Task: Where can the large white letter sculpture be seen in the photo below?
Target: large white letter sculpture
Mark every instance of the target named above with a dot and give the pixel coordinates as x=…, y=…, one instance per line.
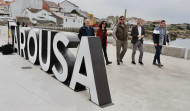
x=63, y=68
x=94, y=77
x=23, y=41
x=32, y=45
x=51, y=50
x=45, y=51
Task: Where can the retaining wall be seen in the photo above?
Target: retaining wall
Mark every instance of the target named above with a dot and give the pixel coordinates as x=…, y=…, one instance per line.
x=169, y=51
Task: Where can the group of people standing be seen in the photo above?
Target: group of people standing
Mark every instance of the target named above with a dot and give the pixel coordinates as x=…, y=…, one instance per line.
x=23, y=24
x=120, y=34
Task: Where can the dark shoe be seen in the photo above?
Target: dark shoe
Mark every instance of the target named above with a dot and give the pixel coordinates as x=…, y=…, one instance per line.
x=154, y=63
x=108, y=62
x=160, y=65
x=133, y=62
x=121, y=61
x=141, y=63
x=118, y=62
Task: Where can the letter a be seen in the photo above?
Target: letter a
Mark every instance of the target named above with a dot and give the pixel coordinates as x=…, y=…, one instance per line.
x=92, y=72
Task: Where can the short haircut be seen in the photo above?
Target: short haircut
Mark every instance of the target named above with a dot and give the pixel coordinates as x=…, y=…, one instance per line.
x=87, y=19
x=121, y=17
x=138, y=19
x=162, y=21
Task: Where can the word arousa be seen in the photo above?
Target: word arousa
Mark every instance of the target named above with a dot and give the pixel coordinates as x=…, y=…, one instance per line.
x=50, y=49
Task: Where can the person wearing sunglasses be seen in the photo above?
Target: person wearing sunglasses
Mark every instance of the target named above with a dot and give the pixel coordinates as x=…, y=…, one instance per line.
x=120, y=34
x=102, y=33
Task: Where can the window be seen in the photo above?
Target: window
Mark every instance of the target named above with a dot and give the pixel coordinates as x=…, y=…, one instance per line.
x=73, y=20
x=26, y=12
x=66, y=20
x=44, y=14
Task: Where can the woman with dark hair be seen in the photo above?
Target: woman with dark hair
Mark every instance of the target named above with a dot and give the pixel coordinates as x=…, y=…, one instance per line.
x=102, y=33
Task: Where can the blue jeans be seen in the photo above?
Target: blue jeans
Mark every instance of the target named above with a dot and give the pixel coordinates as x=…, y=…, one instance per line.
x=157, y=54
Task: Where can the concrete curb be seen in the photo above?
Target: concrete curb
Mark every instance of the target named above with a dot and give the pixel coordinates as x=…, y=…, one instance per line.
x=174, y=52
x=188, y=54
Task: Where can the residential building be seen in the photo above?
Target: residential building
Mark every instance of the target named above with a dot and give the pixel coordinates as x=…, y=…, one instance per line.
x=68, y=6
x=18, y=6
x=51, y=6
x=4, y=11
x=4, y=8
x=156, y=22
x=71, y=20
x=84, y=14
x=112, y=19
x=133, y=20
x=39, y=16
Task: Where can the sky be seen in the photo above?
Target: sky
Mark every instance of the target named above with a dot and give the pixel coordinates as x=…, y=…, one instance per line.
x=173, y=11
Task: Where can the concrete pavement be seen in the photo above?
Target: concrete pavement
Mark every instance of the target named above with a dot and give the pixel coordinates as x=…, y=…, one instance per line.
x=133, y=87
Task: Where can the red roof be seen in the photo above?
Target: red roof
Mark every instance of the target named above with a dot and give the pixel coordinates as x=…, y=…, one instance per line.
x=158, y=21
x=2, y=2
x=51, y=4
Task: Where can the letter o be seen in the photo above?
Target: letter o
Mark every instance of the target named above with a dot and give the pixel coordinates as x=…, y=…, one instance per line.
x=32, y=45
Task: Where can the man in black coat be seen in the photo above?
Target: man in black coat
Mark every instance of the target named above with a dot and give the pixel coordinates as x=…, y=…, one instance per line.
x=137, y=41
x=86, y=30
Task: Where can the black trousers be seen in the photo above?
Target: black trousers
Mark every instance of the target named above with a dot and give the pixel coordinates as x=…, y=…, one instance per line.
x=104, y=48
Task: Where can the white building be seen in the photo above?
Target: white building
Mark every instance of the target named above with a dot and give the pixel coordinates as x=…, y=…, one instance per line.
x=4, y=11
x=36, y=15
x=84, y=14
x=71, y=20
x=4, y=8
x=17, y=7
x=132, y=20
x=51, y=6
x=68, y=6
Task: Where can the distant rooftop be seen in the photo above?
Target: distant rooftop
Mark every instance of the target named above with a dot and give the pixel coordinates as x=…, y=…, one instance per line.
x=34, y=10
x=51, y=4
x=69, y=2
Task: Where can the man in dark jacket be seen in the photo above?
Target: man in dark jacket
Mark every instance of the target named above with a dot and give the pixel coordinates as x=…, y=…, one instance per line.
x=86, y=30
x=160, y=37
x=137, y=41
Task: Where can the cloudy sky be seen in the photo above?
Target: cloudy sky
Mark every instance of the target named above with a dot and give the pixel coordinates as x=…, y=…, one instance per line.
x=173, y=11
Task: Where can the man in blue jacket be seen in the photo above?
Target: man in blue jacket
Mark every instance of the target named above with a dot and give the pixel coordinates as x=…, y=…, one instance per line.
x=160, y=37
x=86, y=30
